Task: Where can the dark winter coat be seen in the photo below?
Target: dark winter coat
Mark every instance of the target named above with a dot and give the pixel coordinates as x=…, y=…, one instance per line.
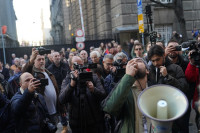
x=176, y=76
x=31, y=69
x=7, y=124
x=28, y=112
x=92, y=113
x=59, y=72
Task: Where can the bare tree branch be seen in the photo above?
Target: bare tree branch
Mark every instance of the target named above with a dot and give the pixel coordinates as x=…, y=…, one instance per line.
x=171, y=6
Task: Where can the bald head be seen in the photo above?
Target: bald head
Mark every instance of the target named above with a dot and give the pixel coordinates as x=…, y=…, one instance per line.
x=77, y=59
x=25, y=80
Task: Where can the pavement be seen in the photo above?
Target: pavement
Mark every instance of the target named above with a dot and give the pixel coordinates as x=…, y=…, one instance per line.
x=192, y=125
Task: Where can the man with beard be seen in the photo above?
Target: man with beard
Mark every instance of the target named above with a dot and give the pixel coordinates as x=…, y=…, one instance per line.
x=36, y=66
x=162, y=71
x=122, y=101
x=174, y=56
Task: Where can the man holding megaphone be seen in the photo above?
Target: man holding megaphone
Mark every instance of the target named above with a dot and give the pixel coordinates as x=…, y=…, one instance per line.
x=162, y=71
x=122, y=101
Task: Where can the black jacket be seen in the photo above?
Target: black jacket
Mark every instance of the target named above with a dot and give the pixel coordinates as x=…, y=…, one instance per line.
x=59, y=72
x=5, y=73
x=176, y=76
x=90, y=109
x=28, y=112
x=7, y=124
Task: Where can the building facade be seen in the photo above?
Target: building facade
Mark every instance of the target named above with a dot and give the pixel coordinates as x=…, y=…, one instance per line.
x=118, y=19
x=8, y=18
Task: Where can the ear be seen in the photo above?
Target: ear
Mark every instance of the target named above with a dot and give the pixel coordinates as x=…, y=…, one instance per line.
x=147, y=72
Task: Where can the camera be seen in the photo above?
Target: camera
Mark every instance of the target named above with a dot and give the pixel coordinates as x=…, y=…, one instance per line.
x=120, y=71
x=43, y=51
x=193, y=45
x=83, y=75
x=178, y=48
x=43, y=81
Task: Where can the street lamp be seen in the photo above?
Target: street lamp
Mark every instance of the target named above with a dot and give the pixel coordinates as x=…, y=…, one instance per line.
x=3, y=31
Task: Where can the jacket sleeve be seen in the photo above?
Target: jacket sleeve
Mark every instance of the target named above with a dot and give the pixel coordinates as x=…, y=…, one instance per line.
x=7, y=76
x=116, y=99
x=3, y=100
x=179, y=81
x=99, y=91
x=19, y=104
x=66, y=91
x=28, y=67
x=191, y=73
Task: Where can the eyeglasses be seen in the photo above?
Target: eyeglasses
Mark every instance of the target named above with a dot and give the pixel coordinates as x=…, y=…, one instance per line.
x=109, y=64
x=138, y=49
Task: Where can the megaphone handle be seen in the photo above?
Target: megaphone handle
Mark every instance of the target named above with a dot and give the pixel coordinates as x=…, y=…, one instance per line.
x=144, y=122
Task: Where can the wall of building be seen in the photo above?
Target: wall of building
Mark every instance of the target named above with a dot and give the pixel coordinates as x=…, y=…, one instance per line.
x=8, y=18
x=107, y=18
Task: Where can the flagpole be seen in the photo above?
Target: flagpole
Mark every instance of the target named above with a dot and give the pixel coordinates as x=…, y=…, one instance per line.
x=4, y=55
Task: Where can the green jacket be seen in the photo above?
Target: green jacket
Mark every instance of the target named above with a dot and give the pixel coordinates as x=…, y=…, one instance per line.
x=120, y=103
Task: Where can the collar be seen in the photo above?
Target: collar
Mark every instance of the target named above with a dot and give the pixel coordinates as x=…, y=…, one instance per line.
x=38, y=71
x=21, y=90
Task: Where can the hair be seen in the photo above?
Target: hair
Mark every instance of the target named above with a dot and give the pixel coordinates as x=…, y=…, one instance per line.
x=155, y=50
x=108, y=56
x=95, y=52
x=137, y=44
x=120, y=54
x=16, y=59
x=98, y=70
x=172, y=40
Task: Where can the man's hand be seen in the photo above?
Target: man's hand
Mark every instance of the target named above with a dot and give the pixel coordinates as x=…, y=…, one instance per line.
x=113, y=69
x=33, y=85
x=189, y=57
x=90, y=86
x=163, y=71
x=132, y=68
x=169, y=49
x=75, y=75
x=33, y=55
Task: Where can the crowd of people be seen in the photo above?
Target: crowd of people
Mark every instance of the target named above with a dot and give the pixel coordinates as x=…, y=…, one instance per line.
x=93, y=91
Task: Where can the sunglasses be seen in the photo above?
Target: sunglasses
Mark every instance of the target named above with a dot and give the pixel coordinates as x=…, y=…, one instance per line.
x=138, y=49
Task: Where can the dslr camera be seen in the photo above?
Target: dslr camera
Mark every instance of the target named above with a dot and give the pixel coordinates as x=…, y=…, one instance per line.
x=44, y=81
x=120, y=71
x=43, y=51
x=83, y=75
x=193, y=45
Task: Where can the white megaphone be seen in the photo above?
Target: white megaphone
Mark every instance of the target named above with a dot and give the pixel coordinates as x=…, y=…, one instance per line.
x=162, y=104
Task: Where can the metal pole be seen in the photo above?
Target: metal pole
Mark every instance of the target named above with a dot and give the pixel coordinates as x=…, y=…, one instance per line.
x=143, y=39
x=81, y=14
x=4, y=55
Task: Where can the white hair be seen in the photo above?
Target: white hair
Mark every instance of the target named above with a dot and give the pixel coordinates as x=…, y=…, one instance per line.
x=96, y=53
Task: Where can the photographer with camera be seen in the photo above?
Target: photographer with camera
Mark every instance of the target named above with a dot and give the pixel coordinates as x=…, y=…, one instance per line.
x=49, y=88
x=84, y=97
x=29, y=107
x=192, y=75
x=172, y=52
x=120, y=61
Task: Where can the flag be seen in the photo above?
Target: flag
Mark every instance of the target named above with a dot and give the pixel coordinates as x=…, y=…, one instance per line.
x=4, y=29
x=106, y=52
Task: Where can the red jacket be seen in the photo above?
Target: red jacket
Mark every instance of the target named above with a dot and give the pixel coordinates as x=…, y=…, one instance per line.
x=192, y=75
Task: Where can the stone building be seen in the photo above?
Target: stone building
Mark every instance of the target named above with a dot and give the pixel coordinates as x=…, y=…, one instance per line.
x=8, y=18
x=118, y=19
